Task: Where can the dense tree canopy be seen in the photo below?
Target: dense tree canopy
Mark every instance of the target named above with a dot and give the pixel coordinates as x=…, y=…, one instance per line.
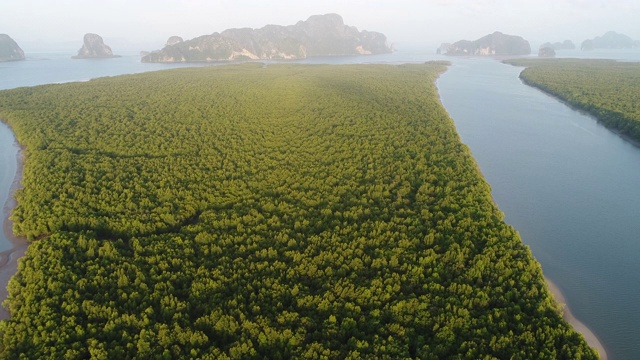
x=250, y=211
x=606, y=89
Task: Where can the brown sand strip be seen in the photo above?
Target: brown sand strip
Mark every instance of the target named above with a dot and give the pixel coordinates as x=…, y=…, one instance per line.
x=591, y=338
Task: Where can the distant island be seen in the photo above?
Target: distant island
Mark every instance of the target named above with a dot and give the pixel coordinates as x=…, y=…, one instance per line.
x=320, y=35
x=94, y=48
x=9, y=49
x=496, y=44
x=546, y=52
x=565, y=45
x=442, y=49
x=610, y=40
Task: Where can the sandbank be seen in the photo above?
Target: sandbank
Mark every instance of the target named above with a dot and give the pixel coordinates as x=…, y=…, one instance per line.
x=589, y=336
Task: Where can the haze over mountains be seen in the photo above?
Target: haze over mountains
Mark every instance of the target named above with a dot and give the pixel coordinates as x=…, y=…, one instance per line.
x=319, y=35
x=610, y=40
x=565, y=45
x=142, y=24
x=94, y=47
x=496, y=44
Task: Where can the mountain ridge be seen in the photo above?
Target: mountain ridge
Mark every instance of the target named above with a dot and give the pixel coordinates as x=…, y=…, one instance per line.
x=610, y=40
x=319, y=35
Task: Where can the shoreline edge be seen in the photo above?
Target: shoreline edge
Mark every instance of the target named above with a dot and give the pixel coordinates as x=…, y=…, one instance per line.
x=10, y=257
x=577, y=325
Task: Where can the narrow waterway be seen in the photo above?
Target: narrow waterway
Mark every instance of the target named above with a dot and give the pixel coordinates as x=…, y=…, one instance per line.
x=10, y=249
x=567, y=184
x=8, y=166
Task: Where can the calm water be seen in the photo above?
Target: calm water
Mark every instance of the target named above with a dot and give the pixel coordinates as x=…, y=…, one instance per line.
x=567, y=184
x=8, y=166
x=52, y=68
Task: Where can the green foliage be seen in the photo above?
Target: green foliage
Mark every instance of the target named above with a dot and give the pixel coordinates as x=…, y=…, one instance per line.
x=606, y=89
x=290, y=211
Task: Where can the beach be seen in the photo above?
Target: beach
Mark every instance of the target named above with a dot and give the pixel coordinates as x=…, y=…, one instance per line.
x=589, y=336
x=9, y=258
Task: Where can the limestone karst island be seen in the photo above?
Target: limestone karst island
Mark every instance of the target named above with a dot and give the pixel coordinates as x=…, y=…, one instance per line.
x=9, y=49
x=319, y=35
x=496, y=44
x=610, y=40
x=94, y=48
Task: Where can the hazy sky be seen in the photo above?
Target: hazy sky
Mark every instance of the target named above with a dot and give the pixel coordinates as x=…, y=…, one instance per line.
x=148, y=23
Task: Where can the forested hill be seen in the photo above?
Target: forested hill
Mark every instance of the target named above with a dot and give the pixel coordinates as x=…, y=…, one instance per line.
x=606, y=89
x=287, y=211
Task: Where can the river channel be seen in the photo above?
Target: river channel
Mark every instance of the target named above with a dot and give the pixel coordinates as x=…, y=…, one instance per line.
x=8, y=167
x=566, y=183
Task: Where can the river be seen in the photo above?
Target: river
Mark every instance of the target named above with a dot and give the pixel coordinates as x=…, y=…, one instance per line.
x=567, y=184
x=8, y=167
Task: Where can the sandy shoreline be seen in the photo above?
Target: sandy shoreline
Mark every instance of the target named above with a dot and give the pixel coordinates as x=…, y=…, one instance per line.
x=591, y=338
x=9, y=258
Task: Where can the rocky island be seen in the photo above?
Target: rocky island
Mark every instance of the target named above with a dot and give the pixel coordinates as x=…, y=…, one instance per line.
x=496, y=44
x=610, y=40
x=546, y=51
x=94, y=48
x=565, y=45
x=320, y=35
x=9, y=49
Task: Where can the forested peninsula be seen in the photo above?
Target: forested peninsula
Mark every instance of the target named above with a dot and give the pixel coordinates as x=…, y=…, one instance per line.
x=606, y=89
x=250, y=211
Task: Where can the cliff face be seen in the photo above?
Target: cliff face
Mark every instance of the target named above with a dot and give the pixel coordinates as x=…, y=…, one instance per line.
x=9, y=49
x=174, y=40
x=320, y=35
x=610, y=40
x=94, y=47
x=444, y=47
x=496, y=44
